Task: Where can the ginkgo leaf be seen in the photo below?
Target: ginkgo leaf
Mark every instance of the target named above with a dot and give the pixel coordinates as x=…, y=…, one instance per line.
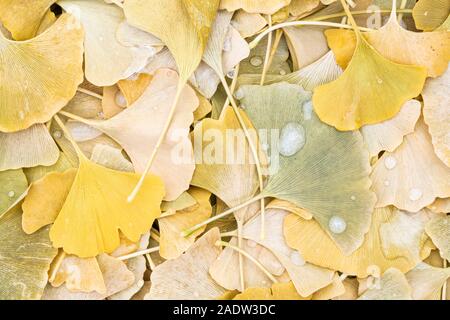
x=137, y=130
x=300, y=7
x=351, y=290
x=430, y=14
x=187, y=278
x=372, y=89
x=320, y=169
x=306, y=44
x=440, y=205
x=426, y=281
x=23, y=18
x=106, y=60
x=254, y=6
x=45, y=200
x=320, y=72
x=111, y=158
x=13, y=184
x=130, y=36
x=289, y=207
x=388, y=135
x=97, y=201
x=278, y=291
x=79, y=275
x=48, y=19
x=317, y=247
x=307, y=278
x=213, y=171
x=172, y=243
x=428, y=49
x=412, y=176
x=25, y=259
x=36, y=173
x=182, y=25
x=333, y=290
x=393, y=286
x=116, y=277
x=132, y=90
x=248, y=24
x=436, y=114
x=439, y=231
x=41, y=76
x=27, y=148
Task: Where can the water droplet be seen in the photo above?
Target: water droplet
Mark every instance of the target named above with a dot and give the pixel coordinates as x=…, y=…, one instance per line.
x=11, y=194
x=380, y=81
x=230, y=74
x=390, y=162
x=196, y=294
x=256, y=61
x=239, y=94
x=101, y=38
x=120, y=99
x=21, y=115
x=227, y=45
x=297, y=259
x=386, y=183
x=282, y=72
x=425, y=13
x=292, y=139
x=337, y=225
x=251, y=243
x=57, y=134
x=353, y=198
x=307, y=110
x=415, y=194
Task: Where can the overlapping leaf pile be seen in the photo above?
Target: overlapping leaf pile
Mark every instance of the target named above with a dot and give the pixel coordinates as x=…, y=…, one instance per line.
x=233, y=149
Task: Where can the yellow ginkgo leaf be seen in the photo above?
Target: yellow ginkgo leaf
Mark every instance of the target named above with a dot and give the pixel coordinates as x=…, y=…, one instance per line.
x=183, y=25
x=430, y=14
x=440, y=205
x=290, y=207
x=412, y=176
x=333, y=290
x=41, y=76
x=25, y=259
x=372, y=89
x=426, y=281
x=254, y=6
x=436, y=113
x=28, y=148
x=79, y=275
x=106, y=60
x=13, y=184
x=428, y=49
x=137, y=129
x=439, y=231
x=172, y=243
x=317, y=247
x=48, y=19
x=388, y=135
x=45, y=199
x=278, y=291
x=392, y=286
x=22, y=17
x=187, y=277
x=116, y=277
x=96, y=209
x=301, y=7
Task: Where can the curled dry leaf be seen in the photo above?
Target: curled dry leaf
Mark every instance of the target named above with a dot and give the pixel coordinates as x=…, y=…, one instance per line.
x=106, y=60
x=412, y=176
x=41, y=76
x=187, y=277
x=23, y=18
x=35, y=145
x=25, y=259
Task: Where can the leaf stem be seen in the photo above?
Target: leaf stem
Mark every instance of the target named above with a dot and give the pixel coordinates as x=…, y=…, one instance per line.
x=161, y=138
x=138, y=253
x=90, y=93
x=191, y=230
x=244, y=253
x=69, y=137
x=255, y=41
x=268, y=50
